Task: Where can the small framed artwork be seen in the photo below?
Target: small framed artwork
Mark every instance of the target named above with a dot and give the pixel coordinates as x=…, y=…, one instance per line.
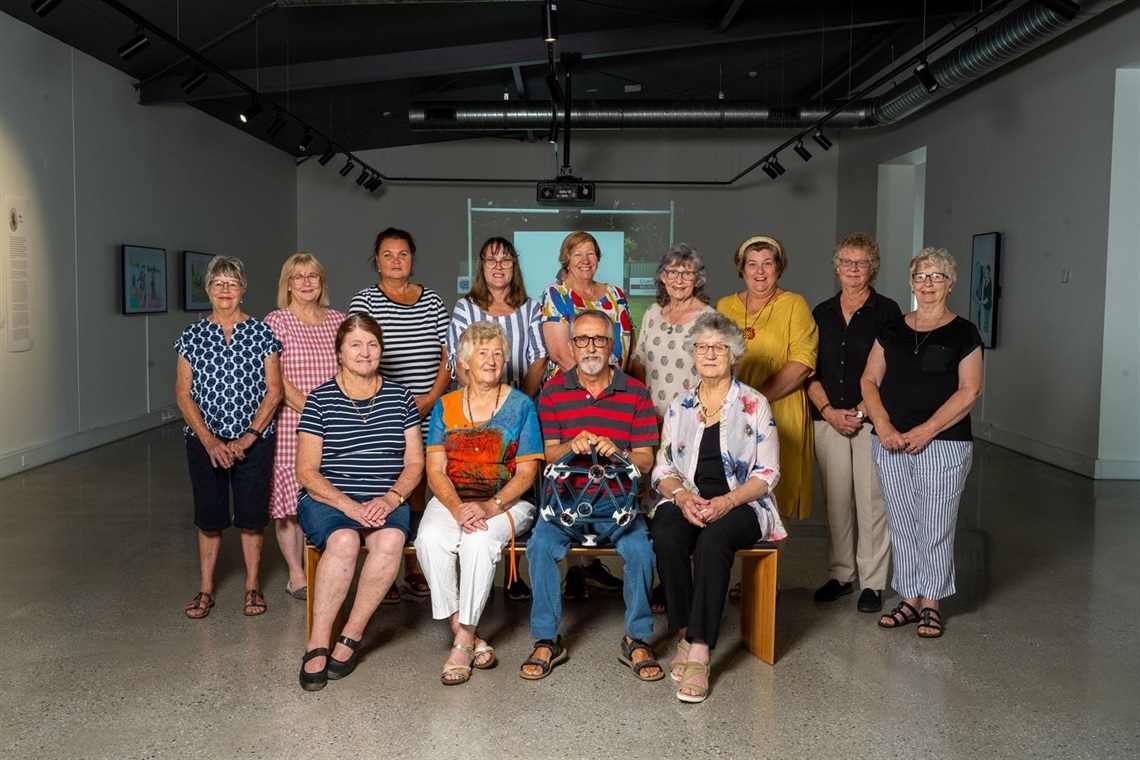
x=194, y=297
x=985, y=286
x=144, y=279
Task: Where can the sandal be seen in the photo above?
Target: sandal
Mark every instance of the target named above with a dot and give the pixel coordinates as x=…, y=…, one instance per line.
x=932, y=621
x=628, y=647
x=417, y=585
x=487, y=652
x=734, y=593
x=677, y=668
x=692, y=671
x=254, y=603
x=902, y=614
x=657, y=601
x=314, y=681
x=393, y=595
x=451, y=669
x=341, y=668
x=558, y=655
x=200, y=606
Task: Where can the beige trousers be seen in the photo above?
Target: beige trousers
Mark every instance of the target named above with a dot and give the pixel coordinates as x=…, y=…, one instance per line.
x=858, y=543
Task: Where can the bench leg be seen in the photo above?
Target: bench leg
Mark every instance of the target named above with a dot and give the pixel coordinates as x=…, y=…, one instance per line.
x=758, y=606
x=312, y=559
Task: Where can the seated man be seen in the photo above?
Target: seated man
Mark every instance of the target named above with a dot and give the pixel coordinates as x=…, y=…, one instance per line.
x=594, y=404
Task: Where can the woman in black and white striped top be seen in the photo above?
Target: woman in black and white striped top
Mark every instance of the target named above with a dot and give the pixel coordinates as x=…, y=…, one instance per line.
x=414, y=321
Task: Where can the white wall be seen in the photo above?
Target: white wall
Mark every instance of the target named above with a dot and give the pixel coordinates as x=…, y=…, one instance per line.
x=338, y=222
x=1027, y=154
x=100, y=170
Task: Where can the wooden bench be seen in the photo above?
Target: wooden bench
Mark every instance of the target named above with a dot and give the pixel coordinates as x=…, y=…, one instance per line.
x=757, y=602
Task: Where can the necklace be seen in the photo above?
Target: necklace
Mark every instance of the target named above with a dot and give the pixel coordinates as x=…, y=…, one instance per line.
x=471, y=417
x=749, y=329
x=705, y=410
x=918, y=343
x=363, y=415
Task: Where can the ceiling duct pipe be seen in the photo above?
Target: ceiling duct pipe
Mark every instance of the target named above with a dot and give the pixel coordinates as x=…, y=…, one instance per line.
x=1019, y=32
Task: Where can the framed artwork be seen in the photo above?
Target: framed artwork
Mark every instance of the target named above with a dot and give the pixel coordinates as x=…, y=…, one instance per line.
x=144, y=279
x=194, y=296
x=985, y=285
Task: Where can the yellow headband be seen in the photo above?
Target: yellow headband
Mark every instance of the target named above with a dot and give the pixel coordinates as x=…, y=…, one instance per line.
x=758, y=239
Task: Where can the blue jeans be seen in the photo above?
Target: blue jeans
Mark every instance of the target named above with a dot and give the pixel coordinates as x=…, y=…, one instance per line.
x=547, y=546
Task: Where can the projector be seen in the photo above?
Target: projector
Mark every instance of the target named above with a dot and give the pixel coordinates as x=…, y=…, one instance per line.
x=566, y=190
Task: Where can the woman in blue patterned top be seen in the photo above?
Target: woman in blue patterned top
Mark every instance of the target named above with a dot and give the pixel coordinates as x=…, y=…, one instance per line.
x=359, y=453
x=228, y=389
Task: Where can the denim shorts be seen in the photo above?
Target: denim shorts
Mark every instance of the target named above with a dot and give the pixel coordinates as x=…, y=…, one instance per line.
x=319, y=521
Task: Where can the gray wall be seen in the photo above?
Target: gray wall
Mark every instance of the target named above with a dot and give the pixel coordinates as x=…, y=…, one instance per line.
x=100, y=171
x=1028, y=154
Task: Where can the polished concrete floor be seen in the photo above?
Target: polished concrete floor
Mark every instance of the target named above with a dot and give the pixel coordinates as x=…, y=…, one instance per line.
x=98, y=558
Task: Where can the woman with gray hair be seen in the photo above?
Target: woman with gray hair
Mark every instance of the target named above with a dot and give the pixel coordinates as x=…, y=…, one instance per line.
x=483, y=451
x=923, y=376
x=228, y=387
x=718, y=462
x=660, y=360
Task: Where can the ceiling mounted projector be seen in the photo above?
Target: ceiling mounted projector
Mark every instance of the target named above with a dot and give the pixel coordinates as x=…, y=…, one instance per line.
x=566, y=190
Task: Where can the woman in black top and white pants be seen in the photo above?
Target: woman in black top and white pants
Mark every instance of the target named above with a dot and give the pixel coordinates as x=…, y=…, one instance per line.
x=923, y=376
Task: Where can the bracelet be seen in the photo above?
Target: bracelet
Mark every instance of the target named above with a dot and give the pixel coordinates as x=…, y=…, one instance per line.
x=674, y=492
x=497, y=500
x=824, y=408
x=399, y=495
x=253, y=432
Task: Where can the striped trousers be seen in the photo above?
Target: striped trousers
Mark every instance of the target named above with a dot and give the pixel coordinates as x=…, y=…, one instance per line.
x=921, y=493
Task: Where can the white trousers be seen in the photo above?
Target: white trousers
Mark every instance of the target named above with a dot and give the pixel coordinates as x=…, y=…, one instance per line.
x=463, y=587
x=856, y=521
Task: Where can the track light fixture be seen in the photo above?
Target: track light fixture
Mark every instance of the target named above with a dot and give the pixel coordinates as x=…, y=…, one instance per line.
x=552, y=133
x=328, y=156
x=821, y=139
x=374, y=184
x=554, y=88
x=364, y=175
x=136, y=45
x=347, y=168
x=194, y=81
x=1066, y=9
x=250, y=112
x=306, y=141
x=925, y=77
x=775, y=163
x=276, y=127
x=550, y=21
x=767, y=167
x=801, y=151
x=43, y=7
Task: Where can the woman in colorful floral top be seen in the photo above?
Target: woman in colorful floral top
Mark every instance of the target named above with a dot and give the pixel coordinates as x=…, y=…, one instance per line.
x=718, y=461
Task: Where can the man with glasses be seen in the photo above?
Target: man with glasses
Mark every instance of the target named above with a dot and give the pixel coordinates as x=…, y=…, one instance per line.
x=594, y=406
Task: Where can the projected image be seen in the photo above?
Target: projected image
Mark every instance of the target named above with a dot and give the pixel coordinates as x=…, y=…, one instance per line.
x=632, y=241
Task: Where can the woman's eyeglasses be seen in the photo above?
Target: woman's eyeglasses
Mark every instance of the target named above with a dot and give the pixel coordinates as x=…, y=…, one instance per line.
x=687, y=275
x=935, y=277
x=853, y=264
x=297, y=279
x=499, y=262
x=717, y=349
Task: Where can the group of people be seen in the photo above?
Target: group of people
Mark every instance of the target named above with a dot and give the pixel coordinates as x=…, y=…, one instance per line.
x=334, y=425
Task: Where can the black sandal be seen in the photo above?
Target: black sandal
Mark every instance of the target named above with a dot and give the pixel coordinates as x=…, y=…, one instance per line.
x=314, y=681
x=558, y=655
x=932, y=621
x=902, y=614
x=341, y=668
x=626, y=656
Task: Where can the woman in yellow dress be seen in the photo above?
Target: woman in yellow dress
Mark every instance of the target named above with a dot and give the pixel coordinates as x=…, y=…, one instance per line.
x=781, y=341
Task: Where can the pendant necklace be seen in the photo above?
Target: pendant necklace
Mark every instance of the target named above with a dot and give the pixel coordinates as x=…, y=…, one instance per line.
x=363, y=415
x=471, y=417
x=749, y=329
x=918, y=343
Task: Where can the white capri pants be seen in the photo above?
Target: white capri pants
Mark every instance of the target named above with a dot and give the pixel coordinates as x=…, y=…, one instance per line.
x=464, y=587
x=921, y=493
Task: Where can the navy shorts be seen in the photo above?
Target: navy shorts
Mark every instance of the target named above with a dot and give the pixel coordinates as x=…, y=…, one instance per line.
x=319, y=521
x=249, y=478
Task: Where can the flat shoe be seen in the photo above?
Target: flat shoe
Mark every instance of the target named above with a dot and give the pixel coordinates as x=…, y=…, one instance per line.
x=483, y=650
x=558, y=655
x=902, y=614
x=625, y=655
x=200, y=606
x=341, y=668
x=831, y=591
x=417, y=585
x=692, y=670
x=314, y=681
x=254, y=604
x=298, y=593
x=870, y=601
x=683, y=647
x=932, y=621
x=393, y=595
x=451, y=669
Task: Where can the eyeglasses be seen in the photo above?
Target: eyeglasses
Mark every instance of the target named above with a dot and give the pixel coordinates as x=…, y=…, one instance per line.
x=499, y=262
x=935, y=277
x=297, y=279
x=225, y=285
x=684, y=274
x=853, y=264
x=718, y=349
x=599, y=341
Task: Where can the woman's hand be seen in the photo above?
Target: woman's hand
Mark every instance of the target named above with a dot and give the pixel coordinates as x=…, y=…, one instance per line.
x=916, y=439
x=374, y=512
x=221, y=455
x=843, y=420
x=473, y=515
x=424, y=404
x=240, y=445
x=889, y=437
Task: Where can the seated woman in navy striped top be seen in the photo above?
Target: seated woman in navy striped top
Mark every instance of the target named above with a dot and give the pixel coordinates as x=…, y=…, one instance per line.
x=359, y=451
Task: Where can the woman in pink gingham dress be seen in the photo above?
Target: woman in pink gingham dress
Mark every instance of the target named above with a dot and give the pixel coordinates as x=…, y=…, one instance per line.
x=307, y=331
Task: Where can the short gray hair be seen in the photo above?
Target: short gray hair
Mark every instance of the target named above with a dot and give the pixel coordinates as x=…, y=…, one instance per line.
x=679, y=255
x=601, y=316
x=721, y=326
x=225, y=266
x=936, y=257
x=481, y=332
